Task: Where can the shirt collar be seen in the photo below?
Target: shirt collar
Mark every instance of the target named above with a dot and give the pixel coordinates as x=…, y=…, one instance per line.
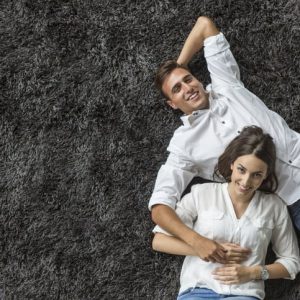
x=216, y=107
x=188, y=120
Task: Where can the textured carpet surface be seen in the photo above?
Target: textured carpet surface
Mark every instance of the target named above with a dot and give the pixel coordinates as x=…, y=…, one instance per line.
x=84, y=132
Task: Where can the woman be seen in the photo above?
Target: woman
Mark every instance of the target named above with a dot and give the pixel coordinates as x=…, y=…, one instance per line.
x=243, y=211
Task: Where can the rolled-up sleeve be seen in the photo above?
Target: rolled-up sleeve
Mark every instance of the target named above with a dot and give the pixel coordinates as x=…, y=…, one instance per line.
x=285, y=245
x=221, y=64
x=172, y=179
x=186, y=210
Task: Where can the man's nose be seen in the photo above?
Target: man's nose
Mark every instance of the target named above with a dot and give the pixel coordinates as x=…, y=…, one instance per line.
x=186, y=87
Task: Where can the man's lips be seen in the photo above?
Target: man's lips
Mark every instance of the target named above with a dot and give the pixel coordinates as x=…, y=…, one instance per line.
x=193, y=96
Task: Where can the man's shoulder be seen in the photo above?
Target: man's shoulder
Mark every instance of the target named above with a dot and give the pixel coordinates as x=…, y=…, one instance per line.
x=179, y=134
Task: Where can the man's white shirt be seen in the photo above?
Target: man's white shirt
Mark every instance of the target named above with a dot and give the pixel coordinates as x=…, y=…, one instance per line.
x=197, y=144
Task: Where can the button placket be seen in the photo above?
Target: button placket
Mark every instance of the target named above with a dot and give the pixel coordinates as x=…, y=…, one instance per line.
x=237, y=235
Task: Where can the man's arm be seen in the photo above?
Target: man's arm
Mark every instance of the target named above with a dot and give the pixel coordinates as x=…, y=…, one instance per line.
x=205, y=248
x=221, y=64
x=203, y=29
x=172, y=245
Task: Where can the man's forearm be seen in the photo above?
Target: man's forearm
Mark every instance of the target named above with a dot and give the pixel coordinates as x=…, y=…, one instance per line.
x=203, y=29
x=205, y=248
x=166, y=217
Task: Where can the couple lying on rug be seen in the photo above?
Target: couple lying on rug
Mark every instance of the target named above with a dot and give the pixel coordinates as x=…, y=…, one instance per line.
x=224, y=229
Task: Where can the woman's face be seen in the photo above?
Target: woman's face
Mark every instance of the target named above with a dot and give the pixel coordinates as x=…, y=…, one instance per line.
x=248, y=173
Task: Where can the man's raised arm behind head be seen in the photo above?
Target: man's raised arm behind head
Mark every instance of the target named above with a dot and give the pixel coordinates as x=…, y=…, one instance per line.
x=203, y=29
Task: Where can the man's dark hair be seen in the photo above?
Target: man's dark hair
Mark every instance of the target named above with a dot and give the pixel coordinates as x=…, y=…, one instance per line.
x=164, y=70
x=252, y=140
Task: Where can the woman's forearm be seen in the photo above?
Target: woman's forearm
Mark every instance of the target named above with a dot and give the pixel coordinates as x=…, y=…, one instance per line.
x=171, y=245
x=205, y=248
x=276, y=271
x=238, y=274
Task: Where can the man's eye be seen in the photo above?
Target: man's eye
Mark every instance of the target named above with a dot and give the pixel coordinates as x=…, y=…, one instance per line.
x=189, y=79
x=176, y=89
x=258, y=175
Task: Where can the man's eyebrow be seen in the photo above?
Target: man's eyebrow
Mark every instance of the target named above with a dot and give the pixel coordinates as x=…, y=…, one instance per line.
x=184, y=78
x=187, y=76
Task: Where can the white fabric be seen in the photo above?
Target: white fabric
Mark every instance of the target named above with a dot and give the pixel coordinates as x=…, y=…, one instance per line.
x=209, y=211
x=196, y=145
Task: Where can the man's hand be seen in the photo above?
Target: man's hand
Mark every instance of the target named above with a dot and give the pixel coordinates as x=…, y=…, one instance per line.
x=209, y=250
x=234, y=274
x=235, y=253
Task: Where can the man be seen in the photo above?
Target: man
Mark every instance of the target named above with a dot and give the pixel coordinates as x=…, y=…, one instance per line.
x=212, y=119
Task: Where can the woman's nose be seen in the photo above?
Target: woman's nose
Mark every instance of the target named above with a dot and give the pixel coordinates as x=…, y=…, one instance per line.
x=246, y=180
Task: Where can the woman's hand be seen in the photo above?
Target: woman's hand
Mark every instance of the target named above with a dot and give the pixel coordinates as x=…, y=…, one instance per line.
x=235, y=254
x=234, y=274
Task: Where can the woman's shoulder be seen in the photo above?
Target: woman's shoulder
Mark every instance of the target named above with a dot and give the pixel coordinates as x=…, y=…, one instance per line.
x=272, y=206
x=272, y=199
x=208, y=187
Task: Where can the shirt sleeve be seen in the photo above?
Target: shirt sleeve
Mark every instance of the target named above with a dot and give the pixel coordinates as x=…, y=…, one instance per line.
x=285, y=244
x=186, y=210
x=221, y=64
x=172, y=179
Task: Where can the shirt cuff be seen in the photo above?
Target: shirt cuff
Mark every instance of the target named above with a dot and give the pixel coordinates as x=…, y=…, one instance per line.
x=215, y=44
x=158, y=229
x=161, y=198
x=292, y=267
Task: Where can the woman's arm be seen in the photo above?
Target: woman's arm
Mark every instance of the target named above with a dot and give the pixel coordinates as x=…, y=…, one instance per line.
x=171, y=245
x=237, y=274
x=205, y=248
x=203, y=29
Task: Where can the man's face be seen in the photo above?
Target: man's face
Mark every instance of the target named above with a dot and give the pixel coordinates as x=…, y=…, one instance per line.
x=184, y=91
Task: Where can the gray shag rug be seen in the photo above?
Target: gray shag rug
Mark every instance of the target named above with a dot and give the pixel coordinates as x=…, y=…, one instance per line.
x=84, y=132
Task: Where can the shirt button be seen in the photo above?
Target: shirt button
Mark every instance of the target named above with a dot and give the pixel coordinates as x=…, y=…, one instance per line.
x=238, y=132
x=223, y=122
x=290, y=161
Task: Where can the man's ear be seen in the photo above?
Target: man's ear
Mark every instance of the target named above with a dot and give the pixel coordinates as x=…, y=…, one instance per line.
x=171, y=104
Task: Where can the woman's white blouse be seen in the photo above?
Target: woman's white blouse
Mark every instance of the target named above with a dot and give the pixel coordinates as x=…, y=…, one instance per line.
x=209, y=211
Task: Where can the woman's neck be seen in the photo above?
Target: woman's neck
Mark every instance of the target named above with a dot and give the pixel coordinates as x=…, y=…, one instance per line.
x=240, y=202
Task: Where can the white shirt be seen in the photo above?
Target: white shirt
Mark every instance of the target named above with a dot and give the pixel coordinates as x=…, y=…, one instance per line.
x=209, y=211
x=197, y=144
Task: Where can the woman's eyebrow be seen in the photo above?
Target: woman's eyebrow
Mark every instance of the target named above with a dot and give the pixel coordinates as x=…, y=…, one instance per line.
x=255, y=172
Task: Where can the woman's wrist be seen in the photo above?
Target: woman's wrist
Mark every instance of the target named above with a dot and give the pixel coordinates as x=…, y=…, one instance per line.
x=255, y=272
